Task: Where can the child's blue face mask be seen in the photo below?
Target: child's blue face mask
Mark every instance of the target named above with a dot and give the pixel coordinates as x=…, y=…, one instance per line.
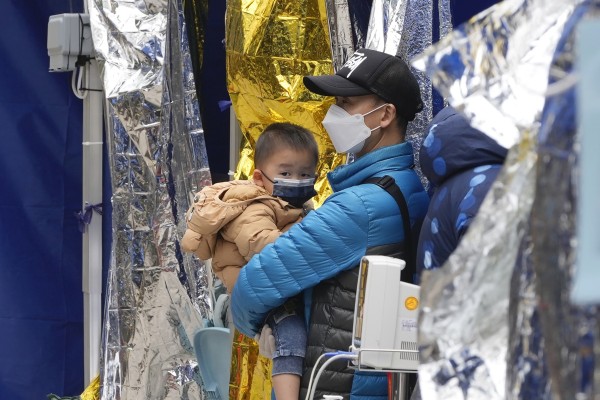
x=294, y=191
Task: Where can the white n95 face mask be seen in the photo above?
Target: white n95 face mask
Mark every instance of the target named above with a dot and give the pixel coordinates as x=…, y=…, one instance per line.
x=347, y=132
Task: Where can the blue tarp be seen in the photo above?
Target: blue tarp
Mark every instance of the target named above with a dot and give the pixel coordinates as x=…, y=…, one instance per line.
x=41, y=319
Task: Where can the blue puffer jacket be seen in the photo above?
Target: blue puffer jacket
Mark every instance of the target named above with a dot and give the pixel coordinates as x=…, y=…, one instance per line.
x=461, y=163
x=330, y=240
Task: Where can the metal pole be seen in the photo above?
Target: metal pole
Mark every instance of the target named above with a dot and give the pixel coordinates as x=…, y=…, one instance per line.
x=235, y=137
x=92, y=238
x=400, y=389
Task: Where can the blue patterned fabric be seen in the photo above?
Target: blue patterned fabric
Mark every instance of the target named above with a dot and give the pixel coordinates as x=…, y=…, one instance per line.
x=461, y=163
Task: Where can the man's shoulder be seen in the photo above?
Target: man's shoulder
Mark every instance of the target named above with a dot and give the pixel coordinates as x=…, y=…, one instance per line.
x=350, y=201
x=349, y=194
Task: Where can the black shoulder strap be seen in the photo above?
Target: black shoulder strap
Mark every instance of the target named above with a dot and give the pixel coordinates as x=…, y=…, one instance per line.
x=389, y=185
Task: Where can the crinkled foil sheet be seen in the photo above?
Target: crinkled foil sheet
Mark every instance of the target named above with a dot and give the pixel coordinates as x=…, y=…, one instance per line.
x=463, y=330
x=348, y=25
x=445, y=18
x=416, y=37
x=270, y=46
x=250, y=377
x=404, y=28
x=493, y=66
x=157, y=297
x=568, y=330
x=92, y=391
x=495, y=69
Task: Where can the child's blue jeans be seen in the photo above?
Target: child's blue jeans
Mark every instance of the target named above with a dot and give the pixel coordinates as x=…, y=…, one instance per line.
x=287, y=324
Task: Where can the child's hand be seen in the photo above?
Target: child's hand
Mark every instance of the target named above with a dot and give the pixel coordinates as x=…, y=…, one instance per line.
x=308, y=207
x=266, y=342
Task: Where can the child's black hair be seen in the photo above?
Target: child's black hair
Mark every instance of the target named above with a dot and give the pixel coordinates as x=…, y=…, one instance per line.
x=284, y=134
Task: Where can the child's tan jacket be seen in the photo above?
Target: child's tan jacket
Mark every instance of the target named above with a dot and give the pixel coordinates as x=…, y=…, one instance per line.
x=231, y=221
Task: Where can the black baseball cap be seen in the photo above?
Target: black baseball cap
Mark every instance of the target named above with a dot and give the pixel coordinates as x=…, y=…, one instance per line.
x=373, y=72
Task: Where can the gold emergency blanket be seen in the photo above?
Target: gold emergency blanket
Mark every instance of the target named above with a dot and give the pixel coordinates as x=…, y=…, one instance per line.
x=250, y=372
x=271, y=45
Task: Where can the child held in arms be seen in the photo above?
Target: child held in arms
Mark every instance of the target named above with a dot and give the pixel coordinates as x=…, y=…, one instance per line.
x=230, y=222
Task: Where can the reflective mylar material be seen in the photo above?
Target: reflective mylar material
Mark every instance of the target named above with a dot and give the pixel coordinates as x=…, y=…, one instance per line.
x=348, y=26
x=495, y=69
x=445, y=17
x=387, y=25
x=250, y=372
x=157, y=297
x=417, y=37
x=271, y=45
x=340, y=32
x=463, y=330
x=404, y=28
x=568, y=331
x=92, y=392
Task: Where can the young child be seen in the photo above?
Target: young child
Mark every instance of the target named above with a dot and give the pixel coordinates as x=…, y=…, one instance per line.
x=231, y=221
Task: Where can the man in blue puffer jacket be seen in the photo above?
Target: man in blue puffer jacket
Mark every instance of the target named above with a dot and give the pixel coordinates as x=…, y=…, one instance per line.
x=376, y=96
x=461, y=163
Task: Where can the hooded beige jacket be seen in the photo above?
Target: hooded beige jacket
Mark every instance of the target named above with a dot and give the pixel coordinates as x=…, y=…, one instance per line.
x=231, y=221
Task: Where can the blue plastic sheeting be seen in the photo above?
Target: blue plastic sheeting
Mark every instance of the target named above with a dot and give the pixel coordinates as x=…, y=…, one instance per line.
x=463, y=10
x=41, y=319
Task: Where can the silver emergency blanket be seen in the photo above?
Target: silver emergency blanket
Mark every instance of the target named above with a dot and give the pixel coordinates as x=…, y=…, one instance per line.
x=495, y=70
x=416, y=37
x=399, y=27
x=404, y=28
x=157, y=297
x=348, y=22
x=445, y=18
x=568, y=331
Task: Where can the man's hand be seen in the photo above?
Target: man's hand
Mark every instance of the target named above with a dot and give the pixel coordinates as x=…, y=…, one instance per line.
x=266, y=342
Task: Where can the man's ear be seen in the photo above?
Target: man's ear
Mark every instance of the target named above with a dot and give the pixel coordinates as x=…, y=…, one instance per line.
x=389, y=115
x=257, y=177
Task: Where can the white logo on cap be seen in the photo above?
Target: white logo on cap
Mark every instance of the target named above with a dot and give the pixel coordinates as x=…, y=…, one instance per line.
x=354, y=61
